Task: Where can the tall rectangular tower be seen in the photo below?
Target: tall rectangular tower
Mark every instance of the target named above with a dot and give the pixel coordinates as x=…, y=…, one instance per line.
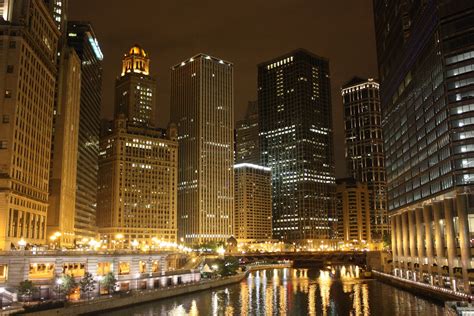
x=426, y=62
x=294, y=108
x=62, y=185
x=364, y=146
x=202, y=106
x=27, y=86
x=82, y=38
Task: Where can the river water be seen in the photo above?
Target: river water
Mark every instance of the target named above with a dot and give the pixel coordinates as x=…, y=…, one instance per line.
x=332, y=291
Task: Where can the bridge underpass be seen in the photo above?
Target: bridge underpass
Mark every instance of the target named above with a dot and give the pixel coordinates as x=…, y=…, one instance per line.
x=307, y=259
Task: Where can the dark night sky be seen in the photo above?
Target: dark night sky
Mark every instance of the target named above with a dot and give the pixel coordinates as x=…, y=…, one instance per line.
x=245, y=32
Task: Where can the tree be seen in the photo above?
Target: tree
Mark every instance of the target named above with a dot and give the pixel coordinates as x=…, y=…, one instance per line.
x=109, y=281
x=67, y=285
x=87, y=284
x=229, y=266
x=26, y=288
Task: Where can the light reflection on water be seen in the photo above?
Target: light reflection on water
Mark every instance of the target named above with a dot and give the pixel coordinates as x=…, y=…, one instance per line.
x=334, y=291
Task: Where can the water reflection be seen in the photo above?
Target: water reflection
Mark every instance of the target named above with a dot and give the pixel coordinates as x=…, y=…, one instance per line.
x=329, y=291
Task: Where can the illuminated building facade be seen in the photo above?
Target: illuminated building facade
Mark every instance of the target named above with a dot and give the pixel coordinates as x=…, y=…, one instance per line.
x=133, y=271
x=353, y=211
x=6, y=9
x=202, y=106
x=247, y=140
x=138, y=175
x=135, y=89
x=26, y=121
x=58, y=9
x=294, y=108
x=364, y=146
x=138, y=168
x=81, y=37
x=426, y=57
x=62, y=182
x=253, y=203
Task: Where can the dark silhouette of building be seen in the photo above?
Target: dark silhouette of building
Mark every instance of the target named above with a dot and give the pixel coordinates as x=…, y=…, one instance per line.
x=426, y=62
x=247, y=141
x=294, y=108
x=82, y=38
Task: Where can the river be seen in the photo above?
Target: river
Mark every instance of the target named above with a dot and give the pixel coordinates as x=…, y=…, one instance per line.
x=333, y=291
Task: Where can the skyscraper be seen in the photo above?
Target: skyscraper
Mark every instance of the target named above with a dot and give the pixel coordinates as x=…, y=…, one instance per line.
x=247, y=137
x=202, y=106
x=27, y=103
x=253, y=203
x=135, y=89
x=294, y=108
x=426, y=57
x=82, y=38
x=138, y=166
x=62, y=185
x=364, y=146
x=6, y=9
x=58, y=9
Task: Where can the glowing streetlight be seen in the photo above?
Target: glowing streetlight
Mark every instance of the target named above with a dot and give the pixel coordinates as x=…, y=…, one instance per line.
x=221, y=251
x=59, y=282
x=22, y=244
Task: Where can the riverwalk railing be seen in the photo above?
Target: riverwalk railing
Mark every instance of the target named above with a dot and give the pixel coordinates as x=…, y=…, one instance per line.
x=460, y=295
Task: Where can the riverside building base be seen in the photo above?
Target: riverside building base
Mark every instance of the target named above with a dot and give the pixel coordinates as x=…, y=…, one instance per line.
x=432, y=242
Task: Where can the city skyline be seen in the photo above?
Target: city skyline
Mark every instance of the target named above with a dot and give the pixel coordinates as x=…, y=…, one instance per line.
x=205, y=29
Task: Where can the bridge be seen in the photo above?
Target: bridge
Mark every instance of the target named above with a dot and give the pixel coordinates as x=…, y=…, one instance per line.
x=307, y=258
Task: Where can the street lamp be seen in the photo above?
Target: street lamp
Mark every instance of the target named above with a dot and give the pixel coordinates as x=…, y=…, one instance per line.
x=99, y=279
x=119, y=237
x=59, y=282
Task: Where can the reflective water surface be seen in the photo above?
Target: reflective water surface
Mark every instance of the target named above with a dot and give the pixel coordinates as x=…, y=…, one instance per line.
x=333, y=291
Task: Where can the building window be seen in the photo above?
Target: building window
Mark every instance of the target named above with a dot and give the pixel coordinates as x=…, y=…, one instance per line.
x=12, y=44
x=10, y=69
x=124, y=268
x=8, y=94
x=74, y=269
x=104, y=268
x=6, y=119
x=41, y=271
x=3, y=144
x=3, y=272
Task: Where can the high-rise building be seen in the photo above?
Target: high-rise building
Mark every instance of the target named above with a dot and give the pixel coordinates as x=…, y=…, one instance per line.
x=202, y=106
x=138, y=176
x=294, y=108
x=138, y=165
x=62, y=185
x=353, y=211
x=58, y=9
x=135, y=89
x=426, y=57
x=6, y=9
x=364, y=146
x=82, y=38
x=253, y=203
x=27, y=88
x=247, y=142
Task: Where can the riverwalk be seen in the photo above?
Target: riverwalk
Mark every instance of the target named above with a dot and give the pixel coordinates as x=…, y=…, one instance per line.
x=105, y=303
x=422, y=289
x=121, y=300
